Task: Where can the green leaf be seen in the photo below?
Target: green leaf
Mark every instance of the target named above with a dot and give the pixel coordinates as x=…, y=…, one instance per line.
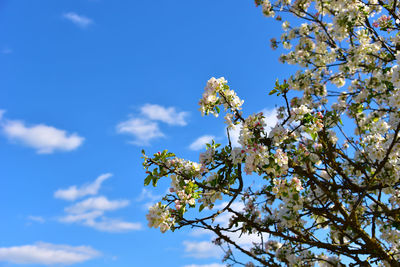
x=314, y=136
x=147, y=180
x=155, y=180
x=201, y=207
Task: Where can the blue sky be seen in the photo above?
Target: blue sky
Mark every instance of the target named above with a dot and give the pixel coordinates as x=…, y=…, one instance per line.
x=85, y=85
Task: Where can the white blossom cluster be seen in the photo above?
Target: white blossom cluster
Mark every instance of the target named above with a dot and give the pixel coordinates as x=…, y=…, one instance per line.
x=217, y=93
x=159, y=217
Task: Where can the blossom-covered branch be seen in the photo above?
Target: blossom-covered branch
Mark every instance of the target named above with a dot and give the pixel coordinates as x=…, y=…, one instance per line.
x=328, y=173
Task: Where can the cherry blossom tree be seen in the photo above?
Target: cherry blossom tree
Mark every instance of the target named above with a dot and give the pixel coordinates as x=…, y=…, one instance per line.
x=327, y=175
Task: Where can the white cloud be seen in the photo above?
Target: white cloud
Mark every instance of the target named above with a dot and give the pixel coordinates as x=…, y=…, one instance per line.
x=200, y=142
x=202, y=249
x=100, y=203
x=206, y=265
x=270, y=120
x=73, y=192
x=82, y=217
x=236, y=206
x=224, y=217
x=167, y=115
x=199, y=232
x=148, y=198
x=94, y=219
x=245, y=240
x=145, y=127
x=142, y=130
x=234, y=134
x=78, y=20
x=47, y=254
x=90, y=211
x=45, y=139
x=113, y=225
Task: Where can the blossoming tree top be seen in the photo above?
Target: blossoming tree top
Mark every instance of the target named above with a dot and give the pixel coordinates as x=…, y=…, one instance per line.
x=328, y=173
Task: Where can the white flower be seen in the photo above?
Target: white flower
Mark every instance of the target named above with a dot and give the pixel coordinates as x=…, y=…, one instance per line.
x=285, y=25
x=159, y=217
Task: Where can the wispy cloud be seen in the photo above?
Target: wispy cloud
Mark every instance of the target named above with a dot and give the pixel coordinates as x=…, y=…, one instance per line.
x=234, y=134
x=45, y=139
x=244, y=240
x=168, y=115
x=206, y=265
x=271, y=118
x=96, y=220
x=142, y=130
x=114, y=225
x=145, y=127
x=73, y=192
x=201, y=142
x=78, y=20
x=148, y=198
x=81, y=217
x=100, y=203
x=47, y=254
x=224, y=217
x=91, y=211
x=201, y=249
